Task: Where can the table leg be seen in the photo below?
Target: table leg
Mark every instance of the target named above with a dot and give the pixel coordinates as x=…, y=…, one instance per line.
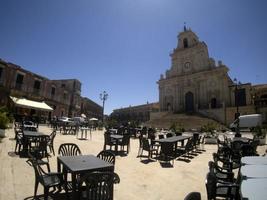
x=73, y=181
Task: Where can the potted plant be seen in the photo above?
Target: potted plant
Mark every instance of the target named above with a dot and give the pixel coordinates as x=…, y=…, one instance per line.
x=211, y=134
x=3, y=123
x=260, y=134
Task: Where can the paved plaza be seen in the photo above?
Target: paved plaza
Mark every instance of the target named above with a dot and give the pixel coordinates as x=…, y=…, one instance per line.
x=139, y=180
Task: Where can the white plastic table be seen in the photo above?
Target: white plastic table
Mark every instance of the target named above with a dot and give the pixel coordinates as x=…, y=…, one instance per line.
x=254, y=188
x=254, y=160
x=254, y=171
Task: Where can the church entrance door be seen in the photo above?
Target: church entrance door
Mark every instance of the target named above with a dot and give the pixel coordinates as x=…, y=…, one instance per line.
x=189, y=102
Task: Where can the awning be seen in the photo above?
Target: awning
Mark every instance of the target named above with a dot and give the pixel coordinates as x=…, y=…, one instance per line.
x=25, y=103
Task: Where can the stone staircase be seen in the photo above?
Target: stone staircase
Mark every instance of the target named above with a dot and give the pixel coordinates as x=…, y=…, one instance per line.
x=192, y=121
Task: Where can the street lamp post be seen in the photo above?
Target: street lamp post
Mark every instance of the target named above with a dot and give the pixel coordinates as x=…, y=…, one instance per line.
x=237, y=114
x=103, y=97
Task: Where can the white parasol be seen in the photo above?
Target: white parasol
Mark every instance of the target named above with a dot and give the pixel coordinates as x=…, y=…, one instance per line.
x=93, y=119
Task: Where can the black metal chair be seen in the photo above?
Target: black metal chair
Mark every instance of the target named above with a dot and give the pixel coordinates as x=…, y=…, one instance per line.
x=50, y=142
x=147, y=147
x=221, y=174
x=69, y=149
x=97, y=185
x=178, y=133
x=108, y=141
x=167, y=152
x=161, y=136
x=125, y=142
x=169, y=135
x=193, y=196
x=185, y=150
x=47, y=179
x=107, y=156
x=222, y=190
x=39, y=150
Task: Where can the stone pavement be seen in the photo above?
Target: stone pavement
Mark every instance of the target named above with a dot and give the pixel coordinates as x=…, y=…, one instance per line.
x=139, y=180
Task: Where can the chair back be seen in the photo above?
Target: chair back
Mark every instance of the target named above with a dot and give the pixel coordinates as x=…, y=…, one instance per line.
x=145, y=144
x=193, y=196
x=161, y=136
x=52, y=137
x=39, y=151
x=169, y=135
x=126, y=140
x=69, y=149
x=211, y=182
x=168, y=149
x=108, y=140
x=38, y=171
x=178, y=133
x=107, y=156
x=98, y=185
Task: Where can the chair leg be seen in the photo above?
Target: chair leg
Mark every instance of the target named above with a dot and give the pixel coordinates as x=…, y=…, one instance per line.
x=46, y=193
x=35, y=188
x=16, y=147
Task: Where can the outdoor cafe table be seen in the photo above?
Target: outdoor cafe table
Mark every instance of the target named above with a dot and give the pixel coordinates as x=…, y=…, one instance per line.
x=29, y=137
x=117, y=138
x=241, y=139
x=254, y=160
x=84, y=133
x=173, y=139
x=78, y=165
x=254, y=188
x=28, y=127
x=254, y=171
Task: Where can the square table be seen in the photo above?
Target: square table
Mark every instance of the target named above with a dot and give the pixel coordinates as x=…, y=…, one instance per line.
x=29, y=138
x=254, y=160
x=254, y=171
x=77, y=165
x=117, y=138
x=84, y=133
x=255, y=189
x=173, y=139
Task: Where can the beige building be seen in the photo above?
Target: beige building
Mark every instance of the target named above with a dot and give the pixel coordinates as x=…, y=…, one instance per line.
x=139, y=113
x=196, y=83
x=64, y=96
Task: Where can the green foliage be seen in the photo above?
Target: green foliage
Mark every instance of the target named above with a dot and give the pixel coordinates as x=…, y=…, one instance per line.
x=259, y=132
x=209, y=128
x=8, y=112
x=177, y=127
x=111, y=123
x=3, y=120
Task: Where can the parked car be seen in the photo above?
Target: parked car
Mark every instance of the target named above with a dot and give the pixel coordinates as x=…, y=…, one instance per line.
x=247, y=121
x=78, y=120
x=64, y=119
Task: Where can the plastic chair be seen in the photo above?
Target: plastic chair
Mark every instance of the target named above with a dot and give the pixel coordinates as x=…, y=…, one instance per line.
x=97, y=185
x=107, y=156
x=69, y=149
x=47, y=179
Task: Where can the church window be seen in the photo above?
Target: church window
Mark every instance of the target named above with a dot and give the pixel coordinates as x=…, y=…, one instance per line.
x=185, y=41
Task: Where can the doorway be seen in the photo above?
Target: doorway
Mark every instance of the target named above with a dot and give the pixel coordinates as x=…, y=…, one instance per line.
x=189, y=102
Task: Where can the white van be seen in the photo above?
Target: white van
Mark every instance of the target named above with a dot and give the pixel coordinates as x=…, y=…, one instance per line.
x=247, y=121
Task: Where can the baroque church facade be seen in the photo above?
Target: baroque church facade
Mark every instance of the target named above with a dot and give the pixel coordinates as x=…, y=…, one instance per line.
x=196, y=83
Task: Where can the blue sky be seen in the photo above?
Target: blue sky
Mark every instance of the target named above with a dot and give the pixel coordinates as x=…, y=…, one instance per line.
x=122, y=46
